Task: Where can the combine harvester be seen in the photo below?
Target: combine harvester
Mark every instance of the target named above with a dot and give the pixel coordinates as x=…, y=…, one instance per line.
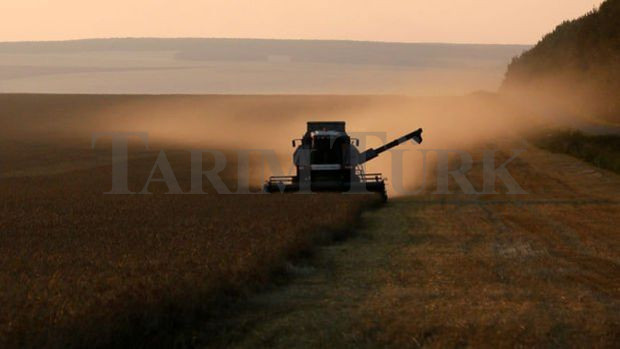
x=327, y=160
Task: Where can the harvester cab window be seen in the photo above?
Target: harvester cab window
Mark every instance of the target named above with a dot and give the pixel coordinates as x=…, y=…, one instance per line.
x=326, y=150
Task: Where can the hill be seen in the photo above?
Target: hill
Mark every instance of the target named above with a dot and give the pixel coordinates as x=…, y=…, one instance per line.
x=249, y=66
x=579, y=62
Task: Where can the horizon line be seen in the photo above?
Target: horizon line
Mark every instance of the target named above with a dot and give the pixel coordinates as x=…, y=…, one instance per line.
x=265, y=39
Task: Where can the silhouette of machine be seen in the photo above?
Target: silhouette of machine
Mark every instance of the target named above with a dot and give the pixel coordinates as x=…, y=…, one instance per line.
x=328, y=160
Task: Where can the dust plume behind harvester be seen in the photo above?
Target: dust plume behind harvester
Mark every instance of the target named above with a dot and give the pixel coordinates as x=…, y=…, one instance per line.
x=327, y=159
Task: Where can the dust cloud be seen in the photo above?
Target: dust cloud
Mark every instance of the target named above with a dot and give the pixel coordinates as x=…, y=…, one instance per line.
x=271, y=122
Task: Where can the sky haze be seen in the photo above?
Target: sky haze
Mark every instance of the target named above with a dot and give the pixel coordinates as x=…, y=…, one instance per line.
x=455, y=21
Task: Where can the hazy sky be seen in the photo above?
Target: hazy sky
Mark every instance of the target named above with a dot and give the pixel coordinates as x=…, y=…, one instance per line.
x=463, y=21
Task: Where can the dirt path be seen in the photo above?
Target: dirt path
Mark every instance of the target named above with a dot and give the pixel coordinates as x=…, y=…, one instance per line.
x=539, y=269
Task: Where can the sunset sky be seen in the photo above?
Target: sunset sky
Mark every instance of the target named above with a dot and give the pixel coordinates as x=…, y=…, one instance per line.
x=456, y=21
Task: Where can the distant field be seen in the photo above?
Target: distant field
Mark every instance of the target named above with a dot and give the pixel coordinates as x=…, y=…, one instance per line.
x=46, y=134
x=231, y=66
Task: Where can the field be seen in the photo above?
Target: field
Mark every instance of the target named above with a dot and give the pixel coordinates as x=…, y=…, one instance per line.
x=80, y=268
x=535, y=270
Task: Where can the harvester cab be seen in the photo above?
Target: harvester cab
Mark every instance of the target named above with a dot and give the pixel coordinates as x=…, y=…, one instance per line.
x=327, y=159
